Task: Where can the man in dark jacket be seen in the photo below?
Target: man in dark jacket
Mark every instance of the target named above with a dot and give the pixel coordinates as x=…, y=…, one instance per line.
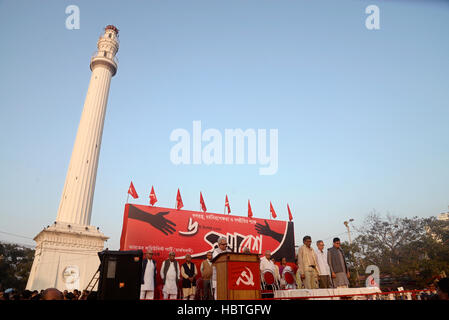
x=188, y=273
x=148, y=278
x=337, y=265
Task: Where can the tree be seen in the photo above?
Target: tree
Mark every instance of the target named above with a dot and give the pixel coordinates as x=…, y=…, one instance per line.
x=15, y=265
x=410, y=248
x=355, y=264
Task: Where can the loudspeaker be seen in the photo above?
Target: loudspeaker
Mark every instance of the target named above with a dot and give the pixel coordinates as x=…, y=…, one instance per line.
x=120, y=275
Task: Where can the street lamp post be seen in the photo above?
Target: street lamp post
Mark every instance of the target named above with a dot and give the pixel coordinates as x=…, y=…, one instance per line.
x=346, y=223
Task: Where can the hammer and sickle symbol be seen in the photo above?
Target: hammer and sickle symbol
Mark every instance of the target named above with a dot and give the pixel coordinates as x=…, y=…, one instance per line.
x=245, y=279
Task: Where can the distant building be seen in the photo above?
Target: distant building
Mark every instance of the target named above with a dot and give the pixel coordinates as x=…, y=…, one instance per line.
x=443, y=216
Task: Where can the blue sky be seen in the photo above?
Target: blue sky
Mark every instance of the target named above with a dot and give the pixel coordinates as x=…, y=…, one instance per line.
x=362, y=115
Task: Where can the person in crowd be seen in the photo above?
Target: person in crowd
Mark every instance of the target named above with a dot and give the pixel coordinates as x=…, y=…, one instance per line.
x=70, y=296
x=443, y=288
x=148, y=277
x=431, y=294
x=338, y=266
x=267, y=264
x=170, y=275
x=206, y=275
x=283, y=265
x=222, y=247
x=26, y=295
x=307, y=264
x=52, y=294
x=324, y=276
x=35, y=295
x=84, y=295
x=276, y=270
x=299, y=283
x=188, y=273
x=283, y=268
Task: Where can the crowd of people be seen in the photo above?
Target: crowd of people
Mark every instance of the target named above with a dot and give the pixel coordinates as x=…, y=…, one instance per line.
x=47, y=294
x=313, y=269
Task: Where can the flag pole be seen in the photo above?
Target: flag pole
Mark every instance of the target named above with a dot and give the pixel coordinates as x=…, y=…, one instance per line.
x=127, y=198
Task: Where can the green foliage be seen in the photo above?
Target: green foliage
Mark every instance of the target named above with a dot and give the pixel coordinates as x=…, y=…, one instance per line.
x=415, y=248
x=15, y=265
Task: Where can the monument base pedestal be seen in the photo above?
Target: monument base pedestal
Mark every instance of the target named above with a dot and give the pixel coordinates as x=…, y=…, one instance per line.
x=66, y=257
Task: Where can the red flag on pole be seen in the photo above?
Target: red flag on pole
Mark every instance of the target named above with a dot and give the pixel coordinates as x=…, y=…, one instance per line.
x=290, y=217
x=153, y=198
x=250, y=212
x=132, y=191
x=179, y=203
x=273, y=213
x=203, y=205
x=227, y=204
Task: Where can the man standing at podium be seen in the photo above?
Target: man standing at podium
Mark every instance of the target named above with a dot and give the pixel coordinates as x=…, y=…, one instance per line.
x=222, y=247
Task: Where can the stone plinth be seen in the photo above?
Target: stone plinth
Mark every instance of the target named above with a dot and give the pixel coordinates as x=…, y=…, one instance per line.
x=66, y=257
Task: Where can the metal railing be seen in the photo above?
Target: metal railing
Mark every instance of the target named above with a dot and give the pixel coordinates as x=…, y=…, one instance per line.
x=95, y=55
x=391, y=295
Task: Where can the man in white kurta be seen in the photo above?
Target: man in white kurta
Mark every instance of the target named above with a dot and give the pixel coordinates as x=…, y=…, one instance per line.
x=266, y=263
x=147, y=287
x=324, y=276
x=222, y=247
x=170, y=289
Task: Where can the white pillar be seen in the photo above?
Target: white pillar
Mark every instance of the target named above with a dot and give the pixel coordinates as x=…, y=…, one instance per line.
x=76, y=201
x=66, y=252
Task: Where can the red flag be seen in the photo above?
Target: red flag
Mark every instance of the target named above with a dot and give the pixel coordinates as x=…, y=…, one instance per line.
x=290, y=217
x=179, y=203
x=273, y=213
x=250, y=212
x=153, y=198
x=227, y=204
x=203, y=205
x=132, y=191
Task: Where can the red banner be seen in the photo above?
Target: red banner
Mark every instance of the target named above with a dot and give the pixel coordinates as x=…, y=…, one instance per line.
x=243, y=275
x=195, y=233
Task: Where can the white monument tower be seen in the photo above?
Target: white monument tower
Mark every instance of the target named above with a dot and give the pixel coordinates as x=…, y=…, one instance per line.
x=66, y=252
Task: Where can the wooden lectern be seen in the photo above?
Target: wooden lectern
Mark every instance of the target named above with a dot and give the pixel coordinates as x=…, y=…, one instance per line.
x=238, y=276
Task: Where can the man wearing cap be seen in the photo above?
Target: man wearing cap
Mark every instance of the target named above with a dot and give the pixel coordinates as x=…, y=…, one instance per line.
x=170, y=276
x=148, y=278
